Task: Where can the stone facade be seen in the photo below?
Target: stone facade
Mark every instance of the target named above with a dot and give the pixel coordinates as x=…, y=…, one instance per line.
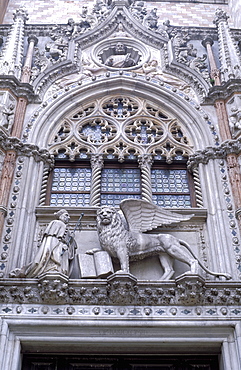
x=117, y=103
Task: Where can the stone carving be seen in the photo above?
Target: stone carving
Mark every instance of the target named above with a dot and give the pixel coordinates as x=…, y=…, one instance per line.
x=235, y=119
x=151, y=20
x=87, y=20
x=56, y=251
x=187, y=54
x=152, y=69
x=89, y=69
x=133, y=244
x=220, y=152
x=121, y=289
x=101, y=9
x=57, y=48
x=6, y=115
x=138, y=10
x=120, y=57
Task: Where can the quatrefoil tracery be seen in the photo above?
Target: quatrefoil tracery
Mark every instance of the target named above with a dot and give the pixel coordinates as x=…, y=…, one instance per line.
x=121, y=127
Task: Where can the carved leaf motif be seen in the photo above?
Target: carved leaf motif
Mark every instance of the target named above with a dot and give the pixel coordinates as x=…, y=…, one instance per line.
x=143, y=216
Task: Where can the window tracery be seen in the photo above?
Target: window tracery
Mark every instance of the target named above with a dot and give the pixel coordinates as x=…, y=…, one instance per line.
x=125, y=148
x=97, y=131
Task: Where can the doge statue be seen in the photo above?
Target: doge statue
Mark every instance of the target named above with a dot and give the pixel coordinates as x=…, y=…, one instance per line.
x=122, y=236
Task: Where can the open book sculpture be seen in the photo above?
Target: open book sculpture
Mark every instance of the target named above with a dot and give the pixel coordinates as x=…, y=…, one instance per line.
x=124, y=237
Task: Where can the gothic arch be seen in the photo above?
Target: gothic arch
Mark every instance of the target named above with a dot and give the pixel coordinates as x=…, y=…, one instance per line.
x=175, y=102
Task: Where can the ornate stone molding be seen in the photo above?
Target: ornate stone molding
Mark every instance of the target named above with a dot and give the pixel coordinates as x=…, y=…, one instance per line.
x=23, y=149
x=225, y=91
x=125, y=290
x=220, y=152
x=18, y=89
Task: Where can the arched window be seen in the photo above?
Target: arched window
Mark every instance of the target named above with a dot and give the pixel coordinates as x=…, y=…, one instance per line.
x=120, y=148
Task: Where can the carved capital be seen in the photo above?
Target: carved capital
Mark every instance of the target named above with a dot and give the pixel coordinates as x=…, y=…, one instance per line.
x=238, y=214
x=97, y=161
x=207, y=40
x=145, y=161
x=33, y=39
x=3, y=210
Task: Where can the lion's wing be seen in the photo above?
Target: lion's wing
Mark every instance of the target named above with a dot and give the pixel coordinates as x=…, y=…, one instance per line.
x=143, y=216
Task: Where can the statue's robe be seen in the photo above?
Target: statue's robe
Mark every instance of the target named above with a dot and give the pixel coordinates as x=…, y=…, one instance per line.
x=55, y=252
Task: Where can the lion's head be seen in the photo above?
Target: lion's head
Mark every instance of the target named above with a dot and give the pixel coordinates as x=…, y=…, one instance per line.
x=110, y=227
x=105, y=215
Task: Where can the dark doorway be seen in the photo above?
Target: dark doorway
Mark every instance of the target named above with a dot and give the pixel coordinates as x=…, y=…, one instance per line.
x=138, y=362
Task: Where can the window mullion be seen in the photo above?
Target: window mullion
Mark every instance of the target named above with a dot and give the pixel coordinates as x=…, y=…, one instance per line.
x=97, y=163
x=145, y=163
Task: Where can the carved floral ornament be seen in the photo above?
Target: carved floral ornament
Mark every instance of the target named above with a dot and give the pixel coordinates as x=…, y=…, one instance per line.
x=120, y=127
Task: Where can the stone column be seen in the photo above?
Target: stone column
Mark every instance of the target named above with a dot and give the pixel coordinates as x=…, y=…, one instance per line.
x=145, y=163
x=6, y=182
x=97, y=163
x=26, y=71
x=214, y=71
x=10, y=64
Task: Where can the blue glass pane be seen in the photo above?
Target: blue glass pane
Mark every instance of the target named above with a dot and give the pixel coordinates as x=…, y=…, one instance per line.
x=169, y=181
x=68, y=200
x=114, y=200
x=121, y=180
x=165, y=200
x=71, y=179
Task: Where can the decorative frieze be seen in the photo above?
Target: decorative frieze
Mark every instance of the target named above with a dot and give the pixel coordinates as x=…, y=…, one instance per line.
x=189, y=291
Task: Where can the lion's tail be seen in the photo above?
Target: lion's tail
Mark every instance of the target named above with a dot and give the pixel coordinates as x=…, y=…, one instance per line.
x=217, y=274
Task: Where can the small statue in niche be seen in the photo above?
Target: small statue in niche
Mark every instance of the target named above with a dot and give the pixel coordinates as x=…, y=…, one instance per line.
x=235, y=119
x=151, y=20
x=6, y=115
x=120, y=58
x=126, y=240
x=138, y=10
x=56, y=250
x=87, y=20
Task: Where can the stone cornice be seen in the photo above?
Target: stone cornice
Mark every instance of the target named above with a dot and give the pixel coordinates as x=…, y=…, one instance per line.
x=23, y=90
x=8, y=143
x=224, y=91
x=219, y=152
x=121, y=290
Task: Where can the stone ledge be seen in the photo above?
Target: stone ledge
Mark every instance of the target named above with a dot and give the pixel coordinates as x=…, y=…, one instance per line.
x=187, y=291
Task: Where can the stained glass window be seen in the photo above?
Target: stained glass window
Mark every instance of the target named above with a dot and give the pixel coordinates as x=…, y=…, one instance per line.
x=171, y=187
x=70, y=186
x=119, y=183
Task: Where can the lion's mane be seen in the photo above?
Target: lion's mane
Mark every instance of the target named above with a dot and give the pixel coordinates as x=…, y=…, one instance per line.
x=111, y=234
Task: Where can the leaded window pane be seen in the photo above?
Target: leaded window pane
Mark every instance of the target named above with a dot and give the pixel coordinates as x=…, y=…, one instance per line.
x=70, y=186
x=165, y=180
x=114, y=200
x=118, y=184
x=117, y=180
x=179, y=201
x=170, y=188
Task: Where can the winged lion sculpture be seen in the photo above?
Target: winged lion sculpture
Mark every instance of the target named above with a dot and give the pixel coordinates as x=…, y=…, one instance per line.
x=123, y=236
